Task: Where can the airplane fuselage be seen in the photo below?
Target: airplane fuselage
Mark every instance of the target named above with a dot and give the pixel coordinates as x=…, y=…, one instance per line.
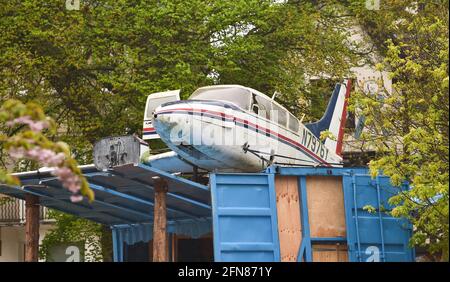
x=219, y=135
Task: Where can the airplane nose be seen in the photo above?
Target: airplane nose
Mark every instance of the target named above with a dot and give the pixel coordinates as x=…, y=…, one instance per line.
x=158, y=115
x=172, y=121
x=163, y=120
x=162, y=124
x=159, y=112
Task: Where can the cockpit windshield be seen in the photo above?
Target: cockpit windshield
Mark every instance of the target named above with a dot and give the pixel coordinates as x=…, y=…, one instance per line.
x=238, y=96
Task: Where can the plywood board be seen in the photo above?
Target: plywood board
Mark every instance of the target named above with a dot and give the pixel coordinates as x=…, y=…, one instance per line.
x=288, y=211
x=326, y=206
x=329, y=253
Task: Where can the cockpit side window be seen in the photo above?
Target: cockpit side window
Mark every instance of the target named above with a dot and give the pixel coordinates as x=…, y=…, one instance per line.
x=279, y=115
x=265, y=105
x=293, y=123
x=255, y=108
x=239, y=96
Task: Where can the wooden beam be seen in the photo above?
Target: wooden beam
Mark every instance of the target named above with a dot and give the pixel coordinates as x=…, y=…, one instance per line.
x=31, y=228
x=160, y=242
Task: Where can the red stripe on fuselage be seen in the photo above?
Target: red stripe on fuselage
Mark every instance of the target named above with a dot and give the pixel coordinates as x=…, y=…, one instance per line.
x=284, y=138
x=248, y=123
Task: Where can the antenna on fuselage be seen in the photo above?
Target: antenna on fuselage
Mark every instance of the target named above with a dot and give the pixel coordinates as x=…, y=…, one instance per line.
x=303, y=116
x=275, y=94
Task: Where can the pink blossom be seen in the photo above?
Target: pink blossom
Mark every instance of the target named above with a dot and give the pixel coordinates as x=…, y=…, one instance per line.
x=46, y=157
x=50, y=158
x=38, y=125
x=76, y=198
x=34, y=125
x=62, y=172
x=17, y=153
x=23, y=120
x=34, y=153
x=68, y=179
x=58, y=158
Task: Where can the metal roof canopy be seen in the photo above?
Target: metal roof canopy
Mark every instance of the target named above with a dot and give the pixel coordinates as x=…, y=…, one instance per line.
x=123, y=195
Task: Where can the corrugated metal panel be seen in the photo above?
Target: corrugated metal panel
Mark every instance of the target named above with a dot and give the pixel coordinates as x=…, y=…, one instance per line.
x=374, y=236
x=244, y=217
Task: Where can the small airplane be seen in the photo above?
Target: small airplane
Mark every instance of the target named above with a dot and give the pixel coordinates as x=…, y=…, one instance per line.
x=232, y=128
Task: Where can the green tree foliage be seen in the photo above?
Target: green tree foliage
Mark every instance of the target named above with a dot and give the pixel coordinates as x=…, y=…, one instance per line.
x=410, y=126
x=69, y=229
x=92, y=69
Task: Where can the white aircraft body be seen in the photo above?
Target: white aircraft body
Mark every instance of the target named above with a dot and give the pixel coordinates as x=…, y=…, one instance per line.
x=236, y=128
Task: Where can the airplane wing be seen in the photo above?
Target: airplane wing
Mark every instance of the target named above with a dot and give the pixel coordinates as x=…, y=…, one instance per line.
x=169, y=162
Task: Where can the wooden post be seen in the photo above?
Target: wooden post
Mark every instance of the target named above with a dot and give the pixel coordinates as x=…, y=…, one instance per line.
x=195, y=174
x=160, y=243
x=174, y=247
x=31, y=228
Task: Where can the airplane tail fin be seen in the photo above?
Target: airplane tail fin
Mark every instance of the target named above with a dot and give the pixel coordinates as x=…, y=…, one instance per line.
x=334, y=117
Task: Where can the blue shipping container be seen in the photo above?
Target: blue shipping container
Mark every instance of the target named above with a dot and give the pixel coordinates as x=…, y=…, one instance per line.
x=245, y=219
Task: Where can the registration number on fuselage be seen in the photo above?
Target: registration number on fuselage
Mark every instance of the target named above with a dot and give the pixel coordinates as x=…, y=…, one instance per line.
x=312, y=143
